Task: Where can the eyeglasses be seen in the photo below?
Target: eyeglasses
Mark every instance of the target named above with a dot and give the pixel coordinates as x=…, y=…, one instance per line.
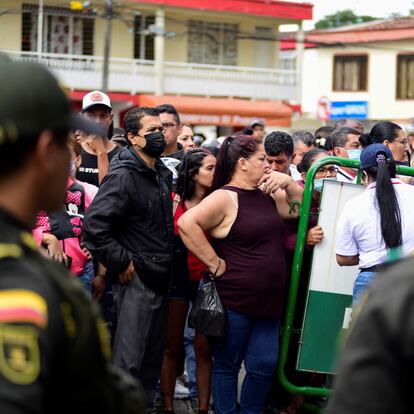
x=168, y=125
x=324, y=171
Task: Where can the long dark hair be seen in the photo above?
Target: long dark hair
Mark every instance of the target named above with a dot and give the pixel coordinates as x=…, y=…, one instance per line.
x=187, y=170
x=387, y=202
x=232, y=149
x=380, y=132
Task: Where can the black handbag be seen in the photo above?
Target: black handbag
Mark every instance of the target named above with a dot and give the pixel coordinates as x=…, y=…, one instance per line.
x=207, y=314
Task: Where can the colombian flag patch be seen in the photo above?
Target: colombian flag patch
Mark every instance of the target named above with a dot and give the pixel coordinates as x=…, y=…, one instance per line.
x=23, y=306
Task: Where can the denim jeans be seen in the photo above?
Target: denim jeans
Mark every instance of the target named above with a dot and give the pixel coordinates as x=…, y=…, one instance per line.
x=254, y=340
x=361, y=284
x=87, y=276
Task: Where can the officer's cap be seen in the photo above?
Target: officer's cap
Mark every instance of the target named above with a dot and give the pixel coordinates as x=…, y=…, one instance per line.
x=32, y=101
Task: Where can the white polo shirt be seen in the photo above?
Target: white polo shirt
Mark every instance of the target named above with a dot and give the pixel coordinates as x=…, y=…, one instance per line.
x=359, y=228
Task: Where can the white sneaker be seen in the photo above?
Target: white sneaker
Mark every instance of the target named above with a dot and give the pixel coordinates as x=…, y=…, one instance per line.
x=181, y=391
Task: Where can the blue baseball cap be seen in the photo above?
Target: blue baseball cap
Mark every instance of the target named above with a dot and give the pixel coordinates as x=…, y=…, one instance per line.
x=374, y=154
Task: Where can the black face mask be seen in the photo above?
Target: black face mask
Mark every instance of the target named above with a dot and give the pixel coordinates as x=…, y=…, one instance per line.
x=155, y=144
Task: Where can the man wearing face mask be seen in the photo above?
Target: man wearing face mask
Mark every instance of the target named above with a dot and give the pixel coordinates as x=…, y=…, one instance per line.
x=97, y=151
x=129, y=228
x=346, y=144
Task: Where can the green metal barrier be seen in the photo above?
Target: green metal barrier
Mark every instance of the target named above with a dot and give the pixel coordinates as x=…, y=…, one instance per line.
x=297, y=267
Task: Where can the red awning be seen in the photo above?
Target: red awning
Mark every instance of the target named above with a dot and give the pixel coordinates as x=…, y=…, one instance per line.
x=223, y=112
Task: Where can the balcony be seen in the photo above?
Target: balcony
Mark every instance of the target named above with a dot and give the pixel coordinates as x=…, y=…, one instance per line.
x=139, y=76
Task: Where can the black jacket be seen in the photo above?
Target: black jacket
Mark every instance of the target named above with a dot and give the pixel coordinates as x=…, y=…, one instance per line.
x=131, y=219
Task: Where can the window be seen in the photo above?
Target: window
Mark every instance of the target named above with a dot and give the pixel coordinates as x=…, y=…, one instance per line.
x=405, y=77
x=212, y=43
x=265, y=49
x=350, y=73
x=64, y=31
x=143, y=41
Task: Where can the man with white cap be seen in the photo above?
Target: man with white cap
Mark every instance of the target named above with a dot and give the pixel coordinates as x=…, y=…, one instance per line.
x=97, y=151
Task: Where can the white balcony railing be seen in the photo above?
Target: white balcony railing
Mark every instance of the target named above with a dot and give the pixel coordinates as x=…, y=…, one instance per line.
x=138, y=76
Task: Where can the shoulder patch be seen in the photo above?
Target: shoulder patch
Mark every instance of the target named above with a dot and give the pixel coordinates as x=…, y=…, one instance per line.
x=28, y=240
x=104, y=338
x=10, y=250
x=19, y=354
x=23, y=306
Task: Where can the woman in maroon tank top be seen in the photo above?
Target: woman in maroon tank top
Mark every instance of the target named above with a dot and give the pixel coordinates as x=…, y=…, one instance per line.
x=244, y=217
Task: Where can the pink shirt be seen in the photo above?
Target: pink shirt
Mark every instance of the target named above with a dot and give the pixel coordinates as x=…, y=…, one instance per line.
x=71, y=246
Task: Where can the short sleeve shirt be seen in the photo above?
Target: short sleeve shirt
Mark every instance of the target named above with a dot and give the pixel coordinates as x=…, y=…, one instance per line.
x=88, y=170
x=359, y=227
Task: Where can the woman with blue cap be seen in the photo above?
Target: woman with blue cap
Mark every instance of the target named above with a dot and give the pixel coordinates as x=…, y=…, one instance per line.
x=376, y=221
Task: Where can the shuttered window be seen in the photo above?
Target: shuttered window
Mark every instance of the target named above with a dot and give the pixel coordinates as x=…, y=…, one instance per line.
x=350, y=73
x=405, y=77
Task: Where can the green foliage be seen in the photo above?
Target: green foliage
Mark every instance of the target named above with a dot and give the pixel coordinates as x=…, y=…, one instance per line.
x=342, y=18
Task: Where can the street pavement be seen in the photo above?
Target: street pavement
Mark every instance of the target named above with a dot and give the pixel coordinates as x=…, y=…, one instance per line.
x=183, y=406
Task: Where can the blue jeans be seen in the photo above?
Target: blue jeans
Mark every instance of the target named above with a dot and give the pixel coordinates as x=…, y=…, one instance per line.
x=86, y=277
x=361, y=284
x=254, y=340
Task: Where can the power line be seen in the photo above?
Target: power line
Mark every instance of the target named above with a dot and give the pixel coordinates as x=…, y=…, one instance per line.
x=241, y=35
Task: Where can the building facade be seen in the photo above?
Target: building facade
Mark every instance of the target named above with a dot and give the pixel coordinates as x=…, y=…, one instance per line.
x=363, y=71
x=217, y=60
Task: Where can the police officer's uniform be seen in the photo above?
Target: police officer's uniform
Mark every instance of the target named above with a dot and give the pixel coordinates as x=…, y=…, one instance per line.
x=53, y=347
x=377, y=364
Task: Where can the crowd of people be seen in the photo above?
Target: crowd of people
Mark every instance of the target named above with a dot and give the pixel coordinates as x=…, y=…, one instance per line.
x=146, y=216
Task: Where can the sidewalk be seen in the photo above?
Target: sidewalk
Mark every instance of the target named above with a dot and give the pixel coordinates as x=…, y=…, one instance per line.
x=182, y=407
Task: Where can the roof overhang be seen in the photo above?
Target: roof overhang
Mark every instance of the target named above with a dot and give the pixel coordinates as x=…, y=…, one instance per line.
x=113, y=96
x=223, y=112
x=265, y=8
x=361, y=36
x=339, y=38
x=205, y=111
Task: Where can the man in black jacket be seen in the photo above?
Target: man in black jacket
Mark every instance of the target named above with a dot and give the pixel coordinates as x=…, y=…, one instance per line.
x=129, y=228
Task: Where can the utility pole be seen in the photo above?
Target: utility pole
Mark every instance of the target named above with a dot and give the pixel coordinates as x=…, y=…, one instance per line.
x=40, y=29
x=107, y=45
x=300, y=48
x=159, y=51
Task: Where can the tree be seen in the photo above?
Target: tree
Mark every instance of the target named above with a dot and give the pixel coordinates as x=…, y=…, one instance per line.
x=342, y=18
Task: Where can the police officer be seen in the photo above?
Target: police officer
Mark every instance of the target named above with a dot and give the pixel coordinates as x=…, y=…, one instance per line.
x=376, y=366
x=53, y=349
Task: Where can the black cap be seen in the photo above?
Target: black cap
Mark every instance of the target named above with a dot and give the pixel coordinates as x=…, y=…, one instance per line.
x=32, y=101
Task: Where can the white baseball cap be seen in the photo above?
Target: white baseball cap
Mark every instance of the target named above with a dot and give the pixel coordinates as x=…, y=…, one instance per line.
x=95, y=98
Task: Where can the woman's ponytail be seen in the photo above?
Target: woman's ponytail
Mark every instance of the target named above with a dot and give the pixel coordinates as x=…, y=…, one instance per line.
x=387, y=201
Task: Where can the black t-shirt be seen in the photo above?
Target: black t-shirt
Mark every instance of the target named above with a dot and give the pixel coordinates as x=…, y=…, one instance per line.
x=88, y=170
